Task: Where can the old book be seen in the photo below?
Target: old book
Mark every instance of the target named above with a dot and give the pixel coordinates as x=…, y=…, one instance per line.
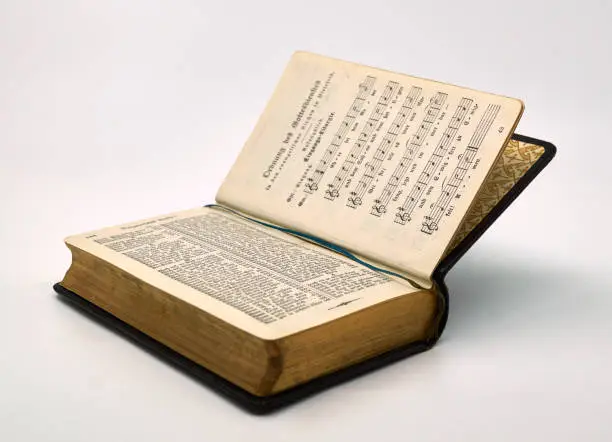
x=325, y=253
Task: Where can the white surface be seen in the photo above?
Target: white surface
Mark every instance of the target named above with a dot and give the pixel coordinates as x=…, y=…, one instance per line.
x=112, y=111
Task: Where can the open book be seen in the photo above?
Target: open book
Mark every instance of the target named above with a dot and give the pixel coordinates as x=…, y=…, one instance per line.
x=330, y=237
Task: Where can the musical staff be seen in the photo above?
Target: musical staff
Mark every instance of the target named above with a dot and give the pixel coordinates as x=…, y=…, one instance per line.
x=431, y=222
x=404, y=212
x=334, y=187
x=412, y=148
x=312, y=183
x=355, y=198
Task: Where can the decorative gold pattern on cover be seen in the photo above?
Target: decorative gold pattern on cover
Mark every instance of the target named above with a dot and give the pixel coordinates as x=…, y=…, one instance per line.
x=516, y=159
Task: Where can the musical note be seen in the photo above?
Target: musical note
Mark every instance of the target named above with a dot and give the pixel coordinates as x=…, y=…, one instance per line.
x=433, y=162
x=334, y=188
x=312, y=183
x=431, y=222
x=388, y=140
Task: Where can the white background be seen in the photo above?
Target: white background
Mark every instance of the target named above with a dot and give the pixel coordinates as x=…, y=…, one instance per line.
x=117, y=110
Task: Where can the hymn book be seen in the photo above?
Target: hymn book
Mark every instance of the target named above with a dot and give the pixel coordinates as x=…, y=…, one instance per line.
x=330, y=237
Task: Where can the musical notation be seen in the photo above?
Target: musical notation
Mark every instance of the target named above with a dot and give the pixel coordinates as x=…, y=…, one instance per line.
x=404, y=212
x=334, y=187
x=440, y=207
x=312, y=183
x=412, y=147
x=355, y=198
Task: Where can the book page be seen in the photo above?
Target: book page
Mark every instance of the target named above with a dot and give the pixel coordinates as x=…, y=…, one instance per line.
x=264, y=281
x=382, y=164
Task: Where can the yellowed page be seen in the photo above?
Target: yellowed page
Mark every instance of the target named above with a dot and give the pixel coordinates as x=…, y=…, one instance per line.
x=261, y=280
x=380, y=163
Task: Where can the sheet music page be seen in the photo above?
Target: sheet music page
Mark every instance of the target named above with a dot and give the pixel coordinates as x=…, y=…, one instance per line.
x=383, y=164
